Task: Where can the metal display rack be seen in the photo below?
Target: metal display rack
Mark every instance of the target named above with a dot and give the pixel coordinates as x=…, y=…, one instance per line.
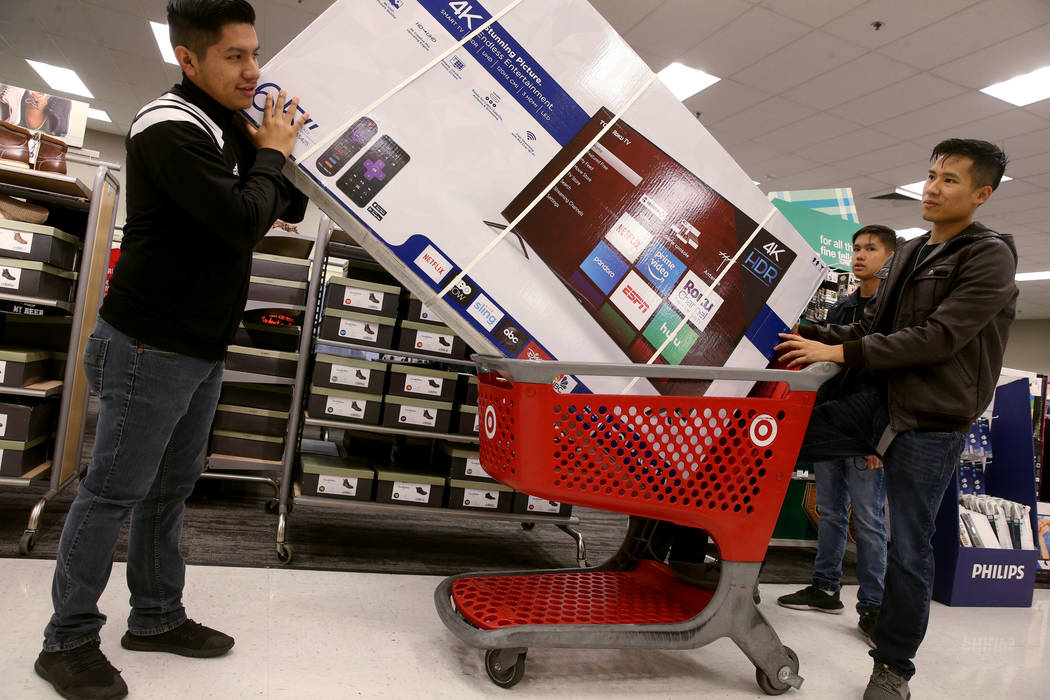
x=95, y=209
x=308, y=343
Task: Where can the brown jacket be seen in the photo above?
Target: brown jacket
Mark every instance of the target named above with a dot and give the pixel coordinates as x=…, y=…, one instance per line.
x=942, y=343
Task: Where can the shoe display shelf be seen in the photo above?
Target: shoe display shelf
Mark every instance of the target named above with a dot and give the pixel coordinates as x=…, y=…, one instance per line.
x=251, y=423
x=41, y=306
x=978, y=576
x=317, y=434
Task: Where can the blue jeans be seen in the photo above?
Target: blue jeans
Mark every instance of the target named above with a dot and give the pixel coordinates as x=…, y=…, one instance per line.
x=155, y=412
x=918, y=465
x=842, y=483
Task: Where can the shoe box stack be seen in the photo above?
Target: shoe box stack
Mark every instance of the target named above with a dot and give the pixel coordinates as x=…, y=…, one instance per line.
x=37, y=262
x=252, y=417
x=365, y=307
x=417, y=472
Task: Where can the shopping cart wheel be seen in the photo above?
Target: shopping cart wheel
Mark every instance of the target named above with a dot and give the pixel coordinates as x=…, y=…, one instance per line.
x=284, y=552
x=527, y=526
x=26, y=543
x=777, y=686
x=503, y=667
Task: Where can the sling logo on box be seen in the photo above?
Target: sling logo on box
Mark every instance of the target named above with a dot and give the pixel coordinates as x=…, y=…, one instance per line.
x=635, y=299
x=485, y=312
x=433, y=264
x=661, y=267
x=604, y=267
x=696, y=300
x=629, y=237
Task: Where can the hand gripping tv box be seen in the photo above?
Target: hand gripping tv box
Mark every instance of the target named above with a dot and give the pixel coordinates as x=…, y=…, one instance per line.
x=524, y=143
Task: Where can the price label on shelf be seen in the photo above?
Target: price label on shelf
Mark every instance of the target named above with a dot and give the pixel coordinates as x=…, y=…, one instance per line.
x=358, y=330
x=434, y=342
x=478, y=498
x=351, y=376
x=338, y=485
x=363, y=298
x=414, y=415
x=418, y=384
x=405, y=491
x=348, y=408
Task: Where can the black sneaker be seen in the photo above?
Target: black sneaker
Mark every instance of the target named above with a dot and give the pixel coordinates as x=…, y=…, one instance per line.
x=886, y=684
x=84, y=672
x=866, y=625
x=812, y=598
x=188, y=639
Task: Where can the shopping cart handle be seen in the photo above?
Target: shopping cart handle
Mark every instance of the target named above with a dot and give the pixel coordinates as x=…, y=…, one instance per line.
x=540, y=371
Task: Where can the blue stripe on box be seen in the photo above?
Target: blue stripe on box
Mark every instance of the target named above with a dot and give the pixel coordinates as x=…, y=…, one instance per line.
x=764, y=332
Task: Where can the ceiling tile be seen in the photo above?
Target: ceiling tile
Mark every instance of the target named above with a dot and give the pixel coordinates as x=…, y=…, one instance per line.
x=1004, y=60
x=943, y=116
x=808, y=131
x=814, y=54
x=624, y=15
x=975, y=28
x=847, y=145
x=813, y=12
x=678, y=25
x=724, y=98
x=1018, y=187
x=900, y=154
x=899, y=17
x=743, y=41
x=781, y=166
x=1041, y=108
x=116, y=29
x=1003, y=126
x=851, y=80
x=905, y=96
x=764, y=117
x=26, y=42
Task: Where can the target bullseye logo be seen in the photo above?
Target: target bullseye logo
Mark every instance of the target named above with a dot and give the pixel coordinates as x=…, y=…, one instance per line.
x=763, y=430
x=490, y=422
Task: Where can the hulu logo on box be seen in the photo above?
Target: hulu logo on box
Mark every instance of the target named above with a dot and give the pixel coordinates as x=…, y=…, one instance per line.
x=660, y=329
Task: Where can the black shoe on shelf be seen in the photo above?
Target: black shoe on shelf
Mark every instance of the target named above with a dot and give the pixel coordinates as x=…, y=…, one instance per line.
x=489, y=496
x=866, y=625
x=421, y=491
x=188, y=639
x=6, y=274
x=373, y=298
x=353, y=405
x=83, y=672
x=426, y=414
x=812, y=598
x=369, y=330
x=441, y=339
x=433, y=383
x=360, y=375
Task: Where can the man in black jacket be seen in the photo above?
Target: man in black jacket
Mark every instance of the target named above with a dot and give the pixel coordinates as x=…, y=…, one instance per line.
x=933, y=338
x=202, y=191
x=848, y=484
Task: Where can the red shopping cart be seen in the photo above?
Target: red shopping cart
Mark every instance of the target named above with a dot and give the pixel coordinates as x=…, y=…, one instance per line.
x=720, y=464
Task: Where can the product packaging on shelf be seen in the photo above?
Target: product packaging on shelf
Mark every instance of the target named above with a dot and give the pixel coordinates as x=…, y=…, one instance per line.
x=418, y=382
x=19, y=367
x=20, y=456
x=243, y=419
x=488, y=496
x=410, y=489
x=416, y=414
x=362, y=296
x=24, y=419
x=335, y=372
x=357, y=328
x=345, y=406
x=44, y=244
x=345, y=478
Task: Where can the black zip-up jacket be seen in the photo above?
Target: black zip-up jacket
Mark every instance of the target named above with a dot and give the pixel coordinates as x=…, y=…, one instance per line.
x=936, y=333
x=846, y=311
x=199, y=198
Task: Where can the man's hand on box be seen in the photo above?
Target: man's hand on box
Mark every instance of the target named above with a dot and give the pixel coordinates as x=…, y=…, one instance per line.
x=797, y=351
x=279, y=126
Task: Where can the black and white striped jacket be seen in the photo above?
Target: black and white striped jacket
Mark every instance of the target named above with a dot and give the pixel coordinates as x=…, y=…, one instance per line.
x=199, y=197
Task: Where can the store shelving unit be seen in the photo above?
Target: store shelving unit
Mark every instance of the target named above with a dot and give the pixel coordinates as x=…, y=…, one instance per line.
x=308, y=344
x=94, y=211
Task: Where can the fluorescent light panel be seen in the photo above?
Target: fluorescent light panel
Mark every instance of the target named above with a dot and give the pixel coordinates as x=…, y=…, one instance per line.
x=160, y=33
x=1023, y=89
x=60, y=79
x=914, y=190
x=684, y=82
x=98, y=115
x=1032, y=276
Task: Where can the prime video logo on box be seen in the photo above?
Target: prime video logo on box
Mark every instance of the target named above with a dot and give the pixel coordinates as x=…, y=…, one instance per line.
x=273, y=89
x=997, y=571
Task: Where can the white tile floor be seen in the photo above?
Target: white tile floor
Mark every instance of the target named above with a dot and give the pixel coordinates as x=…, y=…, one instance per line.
x=315, y=634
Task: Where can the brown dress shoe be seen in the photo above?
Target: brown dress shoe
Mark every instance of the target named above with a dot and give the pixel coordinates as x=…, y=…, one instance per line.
x=52, y=155
x=14, y=144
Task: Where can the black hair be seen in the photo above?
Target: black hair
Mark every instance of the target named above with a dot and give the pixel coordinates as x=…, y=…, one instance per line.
x=197, y=24
x=989, y=161
x=884, y=233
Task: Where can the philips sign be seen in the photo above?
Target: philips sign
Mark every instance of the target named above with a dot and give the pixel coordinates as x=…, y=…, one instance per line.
x=997, y=571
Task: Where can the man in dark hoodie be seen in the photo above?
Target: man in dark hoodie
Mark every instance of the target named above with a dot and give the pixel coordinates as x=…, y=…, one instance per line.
x=933, y=340
x=203, y=189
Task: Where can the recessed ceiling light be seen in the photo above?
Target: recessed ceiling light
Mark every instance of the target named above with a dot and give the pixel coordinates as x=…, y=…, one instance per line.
x=61, y=79
x=98, y=114
x=160, y=33
x=914, y=189
x=1023, y=89
x=684, y=82
x=910, y=233
x=1031, y=276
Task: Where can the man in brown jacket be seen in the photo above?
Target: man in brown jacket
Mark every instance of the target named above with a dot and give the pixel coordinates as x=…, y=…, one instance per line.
x=933, y=337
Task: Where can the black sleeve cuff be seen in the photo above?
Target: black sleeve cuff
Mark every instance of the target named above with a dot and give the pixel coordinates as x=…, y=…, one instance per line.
x=853, y=353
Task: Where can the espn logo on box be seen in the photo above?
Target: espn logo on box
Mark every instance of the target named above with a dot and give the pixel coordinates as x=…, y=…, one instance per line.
x=635, y=299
